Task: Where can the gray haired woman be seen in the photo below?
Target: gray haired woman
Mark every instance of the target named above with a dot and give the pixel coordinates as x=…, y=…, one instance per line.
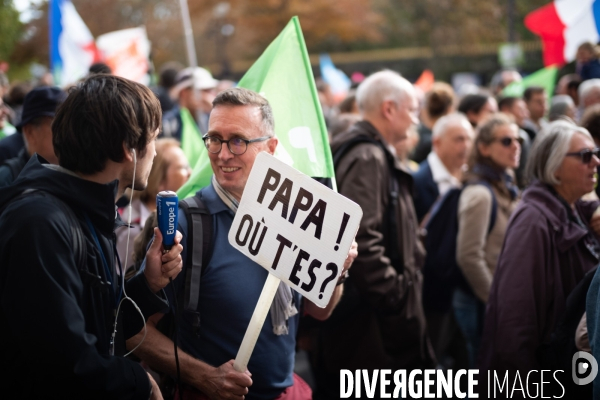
x=548, y=249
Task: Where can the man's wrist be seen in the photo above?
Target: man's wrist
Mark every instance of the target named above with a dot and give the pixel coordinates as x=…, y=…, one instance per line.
x=153, y=288
x=342, y=278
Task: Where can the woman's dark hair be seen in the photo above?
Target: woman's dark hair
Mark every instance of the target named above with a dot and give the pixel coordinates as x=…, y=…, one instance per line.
x=348, y=105
x=99, y=116
x=439, y=100
x=472, y=102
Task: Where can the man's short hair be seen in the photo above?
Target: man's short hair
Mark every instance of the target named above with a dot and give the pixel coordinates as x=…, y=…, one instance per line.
x=507, y=102
x=559, y=105
x=100, y=68
x=244, y=97
x=473, y=103
x=531, y=91
x=588, y=87
x=454, y=119
x=591, y=121
x=100, y=115
x=379, y=87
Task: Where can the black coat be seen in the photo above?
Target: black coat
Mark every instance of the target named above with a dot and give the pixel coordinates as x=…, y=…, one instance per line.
x=56, y=316
x=426, y=190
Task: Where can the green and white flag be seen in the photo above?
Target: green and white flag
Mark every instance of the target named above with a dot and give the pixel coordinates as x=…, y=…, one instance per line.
x=545, y=77
x=284, y=76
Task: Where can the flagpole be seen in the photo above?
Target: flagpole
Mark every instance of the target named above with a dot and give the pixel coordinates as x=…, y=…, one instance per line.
x=189, y=34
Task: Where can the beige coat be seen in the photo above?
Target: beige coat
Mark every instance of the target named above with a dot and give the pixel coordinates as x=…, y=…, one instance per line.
x=476, y=251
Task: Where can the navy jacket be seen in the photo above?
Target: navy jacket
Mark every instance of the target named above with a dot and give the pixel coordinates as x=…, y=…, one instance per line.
x=426, y=190
x=56, y=316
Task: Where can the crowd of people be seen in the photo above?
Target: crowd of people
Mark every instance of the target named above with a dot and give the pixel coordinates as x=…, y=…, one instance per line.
x=477, y=248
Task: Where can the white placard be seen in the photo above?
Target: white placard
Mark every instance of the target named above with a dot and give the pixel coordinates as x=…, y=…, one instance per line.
x=296, y=228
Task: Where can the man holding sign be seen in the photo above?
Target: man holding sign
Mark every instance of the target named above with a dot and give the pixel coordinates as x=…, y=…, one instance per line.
x=240, y=127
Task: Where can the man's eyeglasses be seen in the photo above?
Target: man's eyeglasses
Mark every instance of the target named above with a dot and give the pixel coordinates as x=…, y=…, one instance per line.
x=507, y=141
x=586, y=155
x=237, y=146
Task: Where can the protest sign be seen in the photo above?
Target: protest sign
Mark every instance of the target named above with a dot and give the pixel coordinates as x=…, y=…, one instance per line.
x=295, y=227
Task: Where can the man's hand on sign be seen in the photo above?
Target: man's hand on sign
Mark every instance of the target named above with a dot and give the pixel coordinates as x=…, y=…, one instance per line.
x=160, y=267
x=226, y=383
x=323, y=313
x=352, y=254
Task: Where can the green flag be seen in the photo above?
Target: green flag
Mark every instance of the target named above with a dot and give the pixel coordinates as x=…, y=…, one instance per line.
x=545, y=77
x=284, y=76
x=191, y=138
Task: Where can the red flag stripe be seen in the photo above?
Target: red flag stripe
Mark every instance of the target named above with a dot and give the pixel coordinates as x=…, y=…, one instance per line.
x=546, y=23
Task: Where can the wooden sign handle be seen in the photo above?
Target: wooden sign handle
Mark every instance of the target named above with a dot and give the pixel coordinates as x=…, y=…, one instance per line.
x=256, y=323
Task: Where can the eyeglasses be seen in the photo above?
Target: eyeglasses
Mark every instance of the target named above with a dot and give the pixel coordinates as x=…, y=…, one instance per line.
x=507, y=141
x=237, y=146
x=586, y=155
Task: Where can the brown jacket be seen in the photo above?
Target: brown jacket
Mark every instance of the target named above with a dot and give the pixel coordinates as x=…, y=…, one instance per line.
x=379, y=322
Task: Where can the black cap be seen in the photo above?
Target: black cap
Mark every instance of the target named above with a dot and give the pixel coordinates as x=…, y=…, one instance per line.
x=41, y=102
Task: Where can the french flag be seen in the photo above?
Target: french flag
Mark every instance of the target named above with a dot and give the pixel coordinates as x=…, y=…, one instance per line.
x=564, y=25
x=72, y=46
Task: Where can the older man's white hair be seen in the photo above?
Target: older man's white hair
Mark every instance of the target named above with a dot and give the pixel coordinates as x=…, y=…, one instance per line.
x=450, y=120
x=379, y=87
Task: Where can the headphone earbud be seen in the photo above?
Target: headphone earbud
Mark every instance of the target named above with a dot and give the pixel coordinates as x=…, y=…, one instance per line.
x=134, y=157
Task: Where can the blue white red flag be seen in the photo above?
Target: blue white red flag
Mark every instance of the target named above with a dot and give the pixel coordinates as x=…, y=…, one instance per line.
x=564, y=25
x=72, y=46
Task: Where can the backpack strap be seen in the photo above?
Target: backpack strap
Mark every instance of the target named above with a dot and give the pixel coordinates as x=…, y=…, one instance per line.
x=200, y=230
x=494, y=212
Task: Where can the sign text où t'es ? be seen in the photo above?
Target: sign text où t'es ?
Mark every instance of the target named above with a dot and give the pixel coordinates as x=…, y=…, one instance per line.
x=295, y=227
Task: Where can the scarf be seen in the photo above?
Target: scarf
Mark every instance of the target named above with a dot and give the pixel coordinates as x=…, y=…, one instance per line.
x=283, y=306
x=491, y=174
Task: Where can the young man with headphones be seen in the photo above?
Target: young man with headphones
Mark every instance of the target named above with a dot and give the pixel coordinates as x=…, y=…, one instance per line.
x=64, y=308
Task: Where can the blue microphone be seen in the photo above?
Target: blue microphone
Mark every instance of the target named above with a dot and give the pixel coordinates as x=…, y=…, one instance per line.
x=166, y=210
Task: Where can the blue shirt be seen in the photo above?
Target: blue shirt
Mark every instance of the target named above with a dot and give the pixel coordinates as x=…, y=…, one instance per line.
x=230, y=288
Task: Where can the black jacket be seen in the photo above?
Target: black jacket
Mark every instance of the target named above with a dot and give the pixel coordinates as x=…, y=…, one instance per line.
x=57, y=316
x=11, y=168
x=426, y=190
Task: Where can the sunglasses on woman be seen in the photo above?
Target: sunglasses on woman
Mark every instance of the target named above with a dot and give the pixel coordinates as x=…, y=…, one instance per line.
x=586, y=155
x=507, y=141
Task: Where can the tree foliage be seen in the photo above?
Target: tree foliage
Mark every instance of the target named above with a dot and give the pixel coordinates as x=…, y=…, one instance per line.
x=328, y=25
x=10, y=28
